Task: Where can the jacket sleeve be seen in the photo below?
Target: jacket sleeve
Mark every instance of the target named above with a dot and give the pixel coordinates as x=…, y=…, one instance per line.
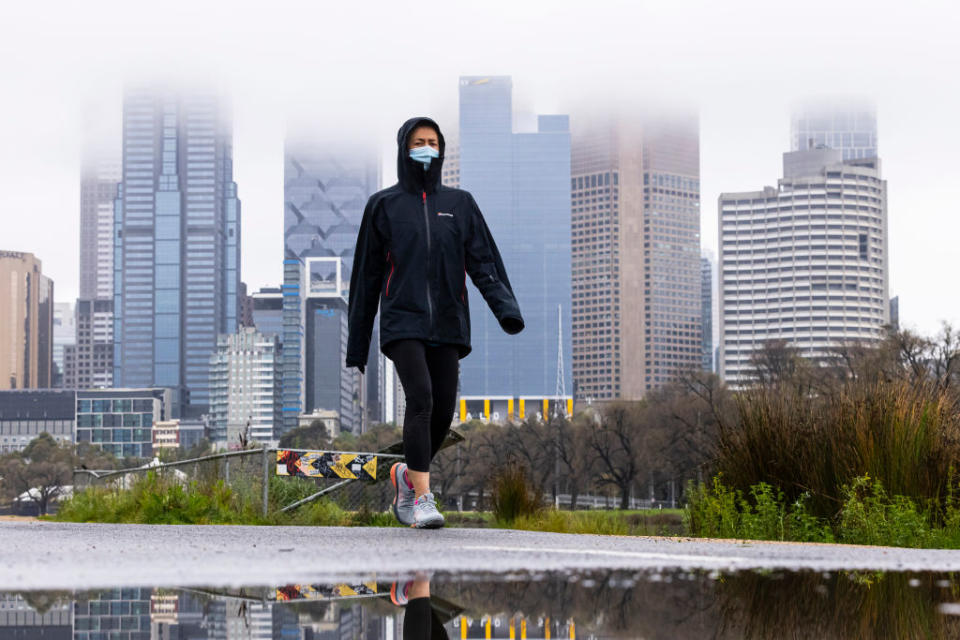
x=365, y=283
x=485, y=267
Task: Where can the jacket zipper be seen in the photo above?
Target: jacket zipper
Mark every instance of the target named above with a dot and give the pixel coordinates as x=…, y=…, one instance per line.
x=426, y=220
x=390, y=277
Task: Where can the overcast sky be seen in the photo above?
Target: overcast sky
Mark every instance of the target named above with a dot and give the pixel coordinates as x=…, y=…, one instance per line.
x=366, y=66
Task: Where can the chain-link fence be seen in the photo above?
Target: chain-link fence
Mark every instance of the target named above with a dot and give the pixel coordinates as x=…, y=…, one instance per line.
x=257, y=480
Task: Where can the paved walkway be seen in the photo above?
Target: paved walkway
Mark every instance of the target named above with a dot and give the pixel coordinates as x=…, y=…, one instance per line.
x=47, y=555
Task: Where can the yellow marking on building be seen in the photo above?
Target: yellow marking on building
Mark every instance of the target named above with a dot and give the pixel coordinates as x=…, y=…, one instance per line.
x=463, y=410
x=510, y=408
x=486, y=408
x=522, y=408
x=569, y=406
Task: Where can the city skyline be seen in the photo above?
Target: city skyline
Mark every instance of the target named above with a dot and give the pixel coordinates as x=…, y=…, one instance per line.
x=703, y=54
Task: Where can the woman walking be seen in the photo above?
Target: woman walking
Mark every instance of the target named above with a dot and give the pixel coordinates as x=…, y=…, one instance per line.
x=418, y=241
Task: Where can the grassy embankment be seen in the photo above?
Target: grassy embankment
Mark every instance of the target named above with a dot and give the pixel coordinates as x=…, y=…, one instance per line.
x=157, y=500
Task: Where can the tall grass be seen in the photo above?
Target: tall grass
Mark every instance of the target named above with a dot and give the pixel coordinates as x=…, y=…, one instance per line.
x=904, y=435
x=513, y=496
x=161, y=499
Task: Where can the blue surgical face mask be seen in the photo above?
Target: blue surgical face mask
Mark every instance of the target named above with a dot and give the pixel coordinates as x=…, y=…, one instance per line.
x=424, y=155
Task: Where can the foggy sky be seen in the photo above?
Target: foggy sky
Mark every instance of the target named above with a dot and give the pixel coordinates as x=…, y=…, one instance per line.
x=360, y=69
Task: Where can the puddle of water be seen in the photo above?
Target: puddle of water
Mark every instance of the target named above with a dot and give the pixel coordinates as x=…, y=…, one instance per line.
x=592, y=605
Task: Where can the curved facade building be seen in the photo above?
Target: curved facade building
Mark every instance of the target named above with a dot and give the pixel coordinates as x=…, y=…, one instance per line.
x=805, y=262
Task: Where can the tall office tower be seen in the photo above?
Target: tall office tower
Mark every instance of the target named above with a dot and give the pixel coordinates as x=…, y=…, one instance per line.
x=636, y=254
x=99, y=176
x=89, y=363
x=324, y=198
x=847, y=125
x=521, y=182
x=805, y=262
x=177, y=244
x=64, y=337
x=706, y=312
x=245, y=387
x=26, y=324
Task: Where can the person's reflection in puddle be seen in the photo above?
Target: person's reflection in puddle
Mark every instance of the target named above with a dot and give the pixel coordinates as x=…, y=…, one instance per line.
x=420, y=620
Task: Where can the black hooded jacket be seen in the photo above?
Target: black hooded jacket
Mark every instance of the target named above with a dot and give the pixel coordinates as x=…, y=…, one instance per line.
x=418, y=242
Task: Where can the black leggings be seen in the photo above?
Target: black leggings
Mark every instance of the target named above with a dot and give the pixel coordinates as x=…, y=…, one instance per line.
x=429, y=378
x=420, y=622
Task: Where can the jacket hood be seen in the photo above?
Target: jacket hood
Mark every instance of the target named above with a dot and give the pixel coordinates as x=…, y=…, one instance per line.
x=410, y=173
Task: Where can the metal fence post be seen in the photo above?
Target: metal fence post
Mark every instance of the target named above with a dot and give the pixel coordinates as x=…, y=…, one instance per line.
x=266, y=480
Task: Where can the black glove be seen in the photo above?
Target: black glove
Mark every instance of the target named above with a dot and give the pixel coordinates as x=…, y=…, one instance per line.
x=512, y=326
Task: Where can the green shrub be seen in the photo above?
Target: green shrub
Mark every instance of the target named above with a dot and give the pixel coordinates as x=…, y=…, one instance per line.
x=512, y=497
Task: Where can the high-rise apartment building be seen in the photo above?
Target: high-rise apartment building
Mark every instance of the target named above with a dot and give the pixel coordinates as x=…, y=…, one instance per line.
x=706, y=314
x=804, y=262
x=521, y=182
x=177, y=244
x=637, y=312
x=26, y=323
x=245, y=388
x=324, y=198
x=847, y=125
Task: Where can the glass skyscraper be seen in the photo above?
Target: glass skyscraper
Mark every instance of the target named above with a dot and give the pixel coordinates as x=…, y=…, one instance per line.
x=176, y=244
x=847, y=125
x=324, y=198
x=521, y=181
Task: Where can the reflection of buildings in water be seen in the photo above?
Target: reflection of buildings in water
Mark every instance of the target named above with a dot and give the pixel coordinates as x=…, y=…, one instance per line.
x=114, y=614
x=515, y=627
x=19, y=618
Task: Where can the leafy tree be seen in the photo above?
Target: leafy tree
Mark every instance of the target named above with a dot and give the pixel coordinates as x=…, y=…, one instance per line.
x=43, y=469
x=313, y=436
